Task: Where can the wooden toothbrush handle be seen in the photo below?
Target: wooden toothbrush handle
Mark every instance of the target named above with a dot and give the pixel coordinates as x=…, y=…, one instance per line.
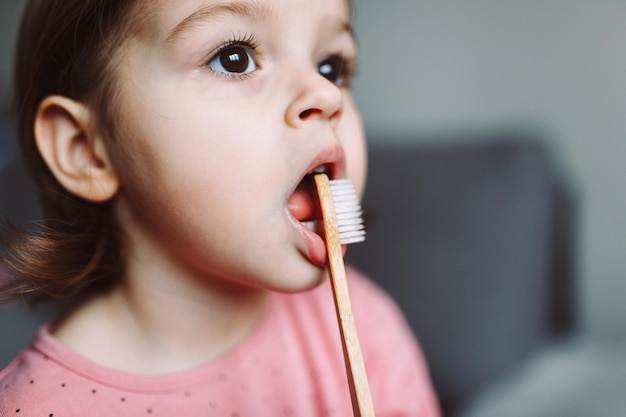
x=355, y=368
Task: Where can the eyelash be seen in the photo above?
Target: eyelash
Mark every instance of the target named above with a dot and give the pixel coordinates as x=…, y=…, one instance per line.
x=347, y=69
x=247, y=42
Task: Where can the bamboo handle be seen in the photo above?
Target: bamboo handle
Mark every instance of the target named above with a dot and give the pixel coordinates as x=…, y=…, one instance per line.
x=355, y=368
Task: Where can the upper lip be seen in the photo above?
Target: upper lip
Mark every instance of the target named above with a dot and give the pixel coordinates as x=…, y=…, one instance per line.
x=304, y=210
x=330, y=160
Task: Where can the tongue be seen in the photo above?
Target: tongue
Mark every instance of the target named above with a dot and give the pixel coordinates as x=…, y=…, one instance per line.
x=304, y=206
x=301, y=204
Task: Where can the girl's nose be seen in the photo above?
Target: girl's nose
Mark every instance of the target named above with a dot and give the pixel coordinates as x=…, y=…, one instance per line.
x=317, y=99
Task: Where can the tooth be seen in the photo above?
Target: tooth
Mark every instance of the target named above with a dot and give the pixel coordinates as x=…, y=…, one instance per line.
x=318, y=170
x=310, y=225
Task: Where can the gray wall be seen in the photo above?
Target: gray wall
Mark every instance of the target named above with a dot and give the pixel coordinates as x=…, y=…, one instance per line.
x=428, y=65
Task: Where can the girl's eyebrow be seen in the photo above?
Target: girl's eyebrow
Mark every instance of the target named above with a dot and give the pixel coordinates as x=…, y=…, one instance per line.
x=251, y=9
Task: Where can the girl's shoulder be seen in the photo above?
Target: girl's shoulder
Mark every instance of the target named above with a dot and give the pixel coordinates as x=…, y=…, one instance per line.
x=47, y=379
x=375, y=312
x=397, y=371
x=25, y=384
x=369, y=301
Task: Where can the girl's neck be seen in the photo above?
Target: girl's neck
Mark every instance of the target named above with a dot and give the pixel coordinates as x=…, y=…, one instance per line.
x=156, y=324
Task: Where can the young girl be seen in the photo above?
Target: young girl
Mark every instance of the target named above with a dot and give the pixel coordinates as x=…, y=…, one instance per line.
x=171, y=142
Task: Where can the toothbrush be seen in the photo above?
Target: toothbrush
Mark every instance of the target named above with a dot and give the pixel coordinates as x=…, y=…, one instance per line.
x=343, y=224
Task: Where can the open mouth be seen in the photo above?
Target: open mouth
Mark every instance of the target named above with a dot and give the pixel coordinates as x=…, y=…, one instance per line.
x=304, y=203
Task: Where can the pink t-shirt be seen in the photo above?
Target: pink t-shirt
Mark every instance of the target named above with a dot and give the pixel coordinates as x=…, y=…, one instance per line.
x=291, y=365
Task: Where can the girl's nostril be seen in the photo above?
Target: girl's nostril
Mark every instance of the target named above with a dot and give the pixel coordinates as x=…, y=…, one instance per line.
x=307, y=113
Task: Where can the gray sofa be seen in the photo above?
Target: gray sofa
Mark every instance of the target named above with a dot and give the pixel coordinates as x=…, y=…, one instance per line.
x=475, y=240
x=475, y=237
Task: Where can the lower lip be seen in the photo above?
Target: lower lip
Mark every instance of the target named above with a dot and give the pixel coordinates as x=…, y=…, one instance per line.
x=315, y=246
x=316, y=250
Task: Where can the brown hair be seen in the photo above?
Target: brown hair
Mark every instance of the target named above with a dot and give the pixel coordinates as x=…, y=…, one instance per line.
x=65, y=47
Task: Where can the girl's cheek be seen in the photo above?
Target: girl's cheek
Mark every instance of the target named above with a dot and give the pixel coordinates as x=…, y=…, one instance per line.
x=357, y=167
x=352, y=136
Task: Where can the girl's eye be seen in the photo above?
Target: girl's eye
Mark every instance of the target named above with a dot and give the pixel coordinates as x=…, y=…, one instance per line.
x=336, y=70
x=234, y=59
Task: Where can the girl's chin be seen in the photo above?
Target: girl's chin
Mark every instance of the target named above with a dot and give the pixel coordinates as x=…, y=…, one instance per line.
x=304, y=281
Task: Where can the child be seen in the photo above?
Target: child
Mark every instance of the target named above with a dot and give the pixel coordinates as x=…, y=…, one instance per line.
x=171, y=143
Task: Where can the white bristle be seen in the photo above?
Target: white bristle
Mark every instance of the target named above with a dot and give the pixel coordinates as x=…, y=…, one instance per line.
x=348, y=210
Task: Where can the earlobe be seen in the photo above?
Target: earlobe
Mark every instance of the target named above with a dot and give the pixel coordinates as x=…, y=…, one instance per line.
x=74, y=150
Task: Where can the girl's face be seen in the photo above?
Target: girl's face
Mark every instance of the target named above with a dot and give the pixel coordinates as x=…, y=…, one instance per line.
x=224, y=108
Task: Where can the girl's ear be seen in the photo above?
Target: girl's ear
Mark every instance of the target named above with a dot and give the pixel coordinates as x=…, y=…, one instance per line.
x=73, y=150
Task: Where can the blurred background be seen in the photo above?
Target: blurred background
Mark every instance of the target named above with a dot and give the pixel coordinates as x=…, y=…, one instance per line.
x=556, y=65
x=436, y=71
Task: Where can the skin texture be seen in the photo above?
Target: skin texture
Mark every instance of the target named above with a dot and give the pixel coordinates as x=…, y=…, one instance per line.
x=204, y=172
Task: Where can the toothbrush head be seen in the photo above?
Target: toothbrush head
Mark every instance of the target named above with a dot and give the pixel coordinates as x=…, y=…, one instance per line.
x=348, y=211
